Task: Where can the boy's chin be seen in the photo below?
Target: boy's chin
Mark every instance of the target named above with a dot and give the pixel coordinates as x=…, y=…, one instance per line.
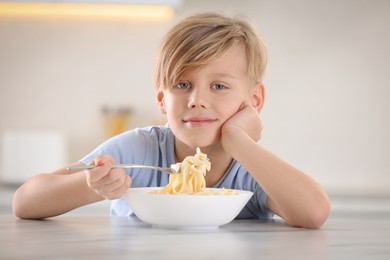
x=200, y=139
x=202, y=143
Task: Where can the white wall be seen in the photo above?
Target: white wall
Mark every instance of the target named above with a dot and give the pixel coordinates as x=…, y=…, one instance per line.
x=326, y=82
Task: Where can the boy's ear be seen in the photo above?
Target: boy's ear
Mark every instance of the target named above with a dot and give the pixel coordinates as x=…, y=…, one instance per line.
x=258, y=96
x=160, y=101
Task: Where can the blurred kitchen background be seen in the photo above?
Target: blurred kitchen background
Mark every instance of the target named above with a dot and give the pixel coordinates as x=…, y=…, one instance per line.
x=65, y=79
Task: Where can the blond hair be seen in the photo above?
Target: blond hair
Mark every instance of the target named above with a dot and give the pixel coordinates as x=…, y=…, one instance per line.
x=201, y=38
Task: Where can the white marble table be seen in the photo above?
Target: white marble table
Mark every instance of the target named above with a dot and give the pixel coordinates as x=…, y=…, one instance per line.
x=100, y=237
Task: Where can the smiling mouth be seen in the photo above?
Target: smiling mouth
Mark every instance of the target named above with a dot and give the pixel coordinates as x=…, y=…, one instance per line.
x=199, y=122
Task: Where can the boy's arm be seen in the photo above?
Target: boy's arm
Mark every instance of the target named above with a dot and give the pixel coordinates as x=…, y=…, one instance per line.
x=292, y=195
x=48, y=195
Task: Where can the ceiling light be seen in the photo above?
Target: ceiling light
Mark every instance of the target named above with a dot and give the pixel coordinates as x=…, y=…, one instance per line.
x=148, y=9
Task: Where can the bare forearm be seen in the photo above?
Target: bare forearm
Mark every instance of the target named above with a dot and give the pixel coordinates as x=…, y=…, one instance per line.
x=292, y=195
x=48, y=195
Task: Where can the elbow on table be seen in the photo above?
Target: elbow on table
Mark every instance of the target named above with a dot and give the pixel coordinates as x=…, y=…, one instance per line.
x=318, y=219
x=313, y=218
x=20, y=206
x=18, y=209
x=318, y=215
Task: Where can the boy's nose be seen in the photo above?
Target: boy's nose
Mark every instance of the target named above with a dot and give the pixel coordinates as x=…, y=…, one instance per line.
x=198, y=98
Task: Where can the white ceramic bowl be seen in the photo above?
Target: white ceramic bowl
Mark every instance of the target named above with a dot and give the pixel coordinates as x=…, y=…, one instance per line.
x=185, y=211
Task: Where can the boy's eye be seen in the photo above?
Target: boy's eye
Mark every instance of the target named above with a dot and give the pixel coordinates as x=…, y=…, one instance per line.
x=183, y=85
x=218, y=86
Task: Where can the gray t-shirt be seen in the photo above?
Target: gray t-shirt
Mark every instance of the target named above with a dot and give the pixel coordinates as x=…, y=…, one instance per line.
x=154, y=145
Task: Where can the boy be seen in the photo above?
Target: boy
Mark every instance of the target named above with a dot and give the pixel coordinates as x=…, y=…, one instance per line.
x=209, y=84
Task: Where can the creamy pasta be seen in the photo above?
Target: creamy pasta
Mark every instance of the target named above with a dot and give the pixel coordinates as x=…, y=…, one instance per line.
x=191, y=177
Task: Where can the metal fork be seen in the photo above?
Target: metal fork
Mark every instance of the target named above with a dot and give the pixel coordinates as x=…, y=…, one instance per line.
x=116, y=166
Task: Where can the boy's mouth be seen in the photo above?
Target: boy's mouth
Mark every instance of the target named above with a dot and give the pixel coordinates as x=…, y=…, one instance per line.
x=199, y=121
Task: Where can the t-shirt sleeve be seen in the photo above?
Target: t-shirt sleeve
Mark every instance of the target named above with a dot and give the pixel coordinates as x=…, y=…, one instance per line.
x=147, y=146
x=128, y=147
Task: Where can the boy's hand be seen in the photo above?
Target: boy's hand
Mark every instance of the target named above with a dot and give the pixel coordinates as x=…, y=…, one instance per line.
x=245, y=121
x=108, y=183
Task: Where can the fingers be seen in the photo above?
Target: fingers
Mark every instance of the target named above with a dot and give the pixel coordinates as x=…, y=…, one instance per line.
x=243, y=105
x=108, y=183
x=113, y=185
x=102, y=169
x=246, y=120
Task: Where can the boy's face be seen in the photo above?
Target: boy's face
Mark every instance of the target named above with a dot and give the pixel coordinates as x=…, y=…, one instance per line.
x=204, y=98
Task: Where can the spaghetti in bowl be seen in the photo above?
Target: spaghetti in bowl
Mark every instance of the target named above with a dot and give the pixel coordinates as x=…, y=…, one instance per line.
x=211, y=209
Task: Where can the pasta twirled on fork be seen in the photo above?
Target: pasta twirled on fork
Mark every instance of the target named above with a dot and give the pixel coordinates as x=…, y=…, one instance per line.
x=191, y=177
